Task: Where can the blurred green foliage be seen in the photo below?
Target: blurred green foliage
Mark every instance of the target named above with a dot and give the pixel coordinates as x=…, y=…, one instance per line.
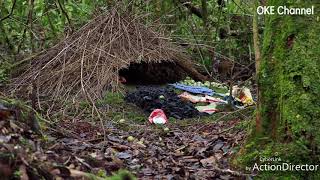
x=35, y=25
x=289, y=81
x=227, y=30
x=4, y=72
x=42, y=21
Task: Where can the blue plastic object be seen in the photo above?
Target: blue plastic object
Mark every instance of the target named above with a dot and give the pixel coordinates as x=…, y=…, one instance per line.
x=194, y=89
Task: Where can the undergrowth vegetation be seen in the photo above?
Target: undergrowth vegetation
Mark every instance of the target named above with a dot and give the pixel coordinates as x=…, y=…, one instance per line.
x=222, y=31
x=211, y=31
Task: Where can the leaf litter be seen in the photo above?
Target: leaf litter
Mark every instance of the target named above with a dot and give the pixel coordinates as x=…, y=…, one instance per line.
x=192, y=152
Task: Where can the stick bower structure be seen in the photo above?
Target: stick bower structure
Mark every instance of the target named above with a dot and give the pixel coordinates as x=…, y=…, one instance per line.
x=88, y=62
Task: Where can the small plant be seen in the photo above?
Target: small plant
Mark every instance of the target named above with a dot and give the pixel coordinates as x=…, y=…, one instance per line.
x=84, y=104
x=111, y=98
x=4, y=72
x=122, y=174
x=17, y=174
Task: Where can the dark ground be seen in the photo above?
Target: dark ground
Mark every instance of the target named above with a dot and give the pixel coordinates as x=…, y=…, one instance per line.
x=198, y=148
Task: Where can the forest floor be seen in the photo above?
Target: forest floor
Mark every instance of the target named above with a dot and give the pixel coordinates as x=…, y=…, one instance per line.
x=197, y=148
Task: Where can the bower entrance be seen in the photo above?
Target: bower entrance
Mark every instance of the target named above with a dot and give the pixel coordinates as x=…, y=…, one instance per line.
x=152, y=73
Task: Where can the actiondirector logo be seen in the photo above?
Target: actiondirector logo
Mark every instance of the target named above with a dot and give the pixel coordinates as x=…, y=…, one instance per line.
x=267, y=165
x=284, y=10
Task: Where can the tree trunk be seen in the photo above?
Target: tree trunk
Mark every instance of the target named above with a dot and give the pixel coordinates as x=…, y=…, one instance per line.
x=204, y=14
x=289, y=91
x=289, y=82
x=257, y=53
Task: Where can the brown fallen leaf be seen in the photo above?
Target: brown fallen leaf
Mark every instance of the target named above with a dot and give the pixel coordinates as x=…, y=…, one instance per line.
x=5, y=113
x=190, y=160
x=23, y=171
x=119, y=147
x=211, y=161
x=83, y=175
x=218, y=156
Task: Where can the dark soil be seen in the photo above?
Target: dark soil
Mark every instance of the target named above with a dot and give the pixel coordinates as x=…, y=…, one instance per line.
x=73, y=147
x=148, y=98
x=152, y=73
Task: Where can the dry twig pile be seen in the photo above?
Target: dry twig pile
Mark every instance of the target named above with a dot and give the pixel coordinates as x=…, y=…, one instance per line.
x=87, y=63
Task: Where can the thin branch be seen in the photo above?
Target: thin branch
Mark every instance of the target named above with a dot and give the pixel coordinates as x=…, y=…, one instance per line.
x=243, y=10
x=28, y=25
x=31, y=24
x=66, y=14
x=11, y=12
x=199, y=50
x=10, y=45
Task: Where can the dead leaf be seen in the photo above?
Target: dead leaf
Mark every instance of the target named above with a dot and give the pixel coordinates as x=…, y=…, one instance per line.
x=211, y=161
x=124, y=155
x=23, y=171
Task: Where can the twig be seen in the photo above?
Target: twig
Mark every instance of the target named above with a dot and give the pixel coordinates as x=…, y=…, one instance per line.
x=83, y=175
x=85, y=65
x=224, y=171
x=11, y=12
x=65, y=14
x=223, y=116
x=83, y=162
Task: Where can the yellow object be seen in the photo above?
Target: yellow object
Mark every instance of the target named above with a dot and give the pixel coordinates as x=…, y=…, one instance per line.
x=166, y=130
x=130, y=138
x=243, y=94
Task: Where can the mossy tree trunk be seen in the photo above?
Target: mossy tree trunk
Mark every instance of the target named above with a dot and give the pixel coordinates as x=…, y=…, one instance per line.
x=257, y=53
x=289, y=81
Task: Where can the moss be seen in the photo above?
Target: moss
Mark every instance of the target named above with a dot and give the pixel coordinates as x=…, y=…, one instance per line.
x=84, y=104
x=119, y=109
x=5, y=68
x=111, y=98
x=289, y=82
x=122, y=175
x=130, y=113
